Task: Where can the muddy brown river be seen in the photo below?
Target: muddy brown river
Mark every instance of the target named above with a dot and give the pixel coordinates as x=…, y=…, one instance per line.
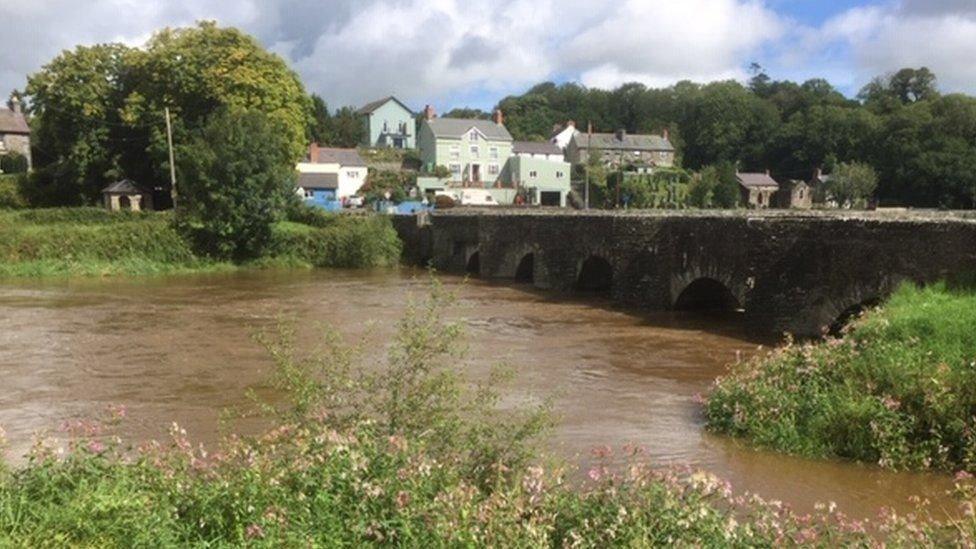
x=181, y=349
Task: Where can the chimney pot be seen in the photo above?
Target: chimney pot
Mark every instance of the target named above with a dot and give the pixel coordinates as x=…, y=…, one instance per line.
x=665, y=133
x=429, y=113
x=15, y=103
x=571, y=124
x=499, y=117
x=767, y=172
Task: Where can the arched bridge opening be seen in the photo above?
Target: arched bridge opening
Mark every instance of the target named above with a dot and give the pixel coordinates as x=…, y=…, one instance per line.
x=525, y=272
x=707, y=294
x=595, y=275
x=473, y=267
x=849, y=315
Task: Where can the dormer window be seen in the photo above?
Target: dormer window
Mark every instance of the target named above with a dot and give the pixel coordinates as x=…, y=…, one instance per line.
x=473, y=135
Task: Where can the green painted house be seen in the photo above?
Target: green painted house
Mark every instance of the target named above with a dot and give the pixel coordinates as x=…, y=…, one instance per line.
x=387, y=123
x=474, y=151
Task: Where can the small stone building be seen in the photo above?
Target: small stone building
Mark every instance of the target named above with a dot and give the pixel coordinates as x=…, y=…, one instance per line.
x=794, y=194
x=14, y=131
x=757, y=189
x=127, y=195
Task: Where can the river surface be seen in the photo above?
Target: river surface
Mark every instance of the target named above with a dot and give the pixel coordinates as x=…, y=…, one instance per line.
x=182, y=349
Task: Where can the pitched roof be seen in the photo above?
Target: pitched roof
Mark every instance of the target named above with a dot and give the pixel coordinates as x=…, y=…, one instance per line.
x=630, y=142
x=318, y=180
x=536, y=147
x=458, y=127
x=342, y=157
x=13, y=122
x=126, y=186
x=756, y=180
x=368, y=108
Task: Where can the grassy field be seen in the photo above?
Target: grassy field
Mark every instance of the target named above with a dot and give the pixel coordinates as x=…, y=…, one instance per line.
x=94, y=242
x=898, y=389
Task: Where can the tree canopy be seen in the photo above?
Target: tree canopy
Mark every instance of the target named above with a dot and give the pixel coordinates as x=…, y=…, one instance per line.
x=98, y=110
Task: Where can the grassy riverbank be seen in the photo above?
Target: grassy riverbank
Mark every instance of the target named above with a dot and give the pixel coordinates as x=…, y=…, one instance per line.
x=404, y=453
x=899, y=389
x=94, y=242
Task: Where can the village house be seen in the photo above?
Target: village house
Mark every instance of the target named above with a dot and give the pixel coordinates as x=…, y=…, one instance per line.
x=757, y=189
x=14, y=131
x=538, y=168
x=473, y=150
x=563, y=134
x=793, y=194
x=329, y=175
x=622, y=149
x=388, y=123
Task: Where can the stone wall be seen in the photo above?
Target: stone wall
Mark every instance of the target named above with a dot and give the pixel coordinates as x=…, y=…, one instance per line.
x=792, y=273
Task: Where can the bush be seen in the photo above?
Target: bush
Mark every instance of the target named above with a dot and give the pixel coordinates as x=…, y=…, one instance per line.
x=236, y=178
x=13, y=163
x=343, y=241
x=10, y=192
x=898, y=390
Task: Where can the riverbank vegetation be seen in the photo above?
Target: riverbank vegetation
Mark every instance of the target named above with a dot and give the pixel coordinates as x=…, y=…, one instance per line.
x=406, y=452
x=897, y=389
x=95, y=242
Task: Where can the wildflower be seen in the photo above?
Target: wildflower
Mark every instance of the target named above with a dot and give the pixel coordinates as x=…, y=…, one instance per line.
x=963, y=475
x=402, y=499
x=95, y=447
x=595, y=474
x=254, y=531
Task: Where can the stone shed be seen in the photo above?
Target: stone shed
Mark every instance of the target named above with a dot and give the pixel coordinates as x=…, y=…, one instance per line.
x=127, y=195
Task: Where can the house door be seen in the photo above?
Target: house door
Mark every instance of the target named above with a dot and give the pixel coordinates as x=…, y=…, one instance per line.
x=476, y=173
x=397, y=142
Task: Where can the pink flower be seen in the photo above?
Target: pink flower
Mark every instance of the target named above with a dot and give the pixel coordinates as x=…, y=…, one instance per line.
x=963, y=475
x=254, y=531
x=595, y=474
x=95, y=447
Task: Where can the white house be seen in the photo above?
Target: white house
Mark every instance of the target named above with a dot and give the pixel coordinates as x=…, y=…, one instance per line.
x=538, y=149
x=563, y=135
x=344, y=165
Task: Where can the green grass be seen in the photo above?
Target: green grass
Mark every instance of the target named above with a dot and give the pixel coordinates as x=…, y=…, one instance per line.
x=899, y=389
x=95, y=242
x=403, y=452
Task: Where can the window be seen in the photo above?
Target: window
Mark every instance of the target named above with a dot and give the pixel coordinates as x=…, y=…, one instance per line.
x=492, y=169
x=309, y=193
x=455, y=169
x=493, y=153
x=533, y=174
x=474, y=150
x=352, y=175
x=559, y=175
x=473, y=136
x=455, y=152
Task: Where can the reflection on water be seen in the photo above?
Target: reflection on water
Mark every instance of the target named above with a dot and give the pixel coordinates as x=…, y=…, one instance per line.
x=181, y=349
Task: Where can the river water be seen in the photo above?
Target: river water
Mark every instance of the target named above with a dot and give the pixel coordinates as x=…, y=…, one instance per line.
x=182, y=349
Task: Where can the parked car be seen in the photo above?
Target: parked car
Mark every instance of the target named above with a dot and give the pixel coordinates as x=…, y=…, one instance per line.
x=354, y=202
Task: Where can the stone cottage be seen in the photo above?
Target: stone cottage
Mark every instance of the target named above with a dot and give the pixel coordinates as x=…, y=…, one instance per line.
x=14, y=131
x=793, y=194
x=757, y=189
x=622, y=149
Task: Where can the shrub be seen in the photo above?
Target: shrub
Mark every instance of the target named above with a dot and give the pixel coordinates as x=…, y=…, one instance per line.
x=13, y=163
x=899, y=389
x=338, y=241
x=10, y=192
x=236, y=178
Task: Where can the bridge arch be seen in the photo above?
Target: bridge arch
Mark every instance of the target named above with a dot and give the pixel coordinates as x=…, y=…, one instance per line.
x=706, y=294
x=473, y=264
x=850, y=314
x=525, y=271
x=594, y=274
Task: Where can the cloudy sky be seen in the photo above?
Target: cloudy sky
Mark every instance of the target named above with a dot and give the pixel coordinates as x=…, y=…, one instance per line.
x=472, y=52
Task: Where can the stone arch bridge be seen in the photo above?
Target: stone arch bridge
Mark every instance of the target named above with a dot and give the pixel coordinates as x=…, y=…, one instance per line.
x=789, y=272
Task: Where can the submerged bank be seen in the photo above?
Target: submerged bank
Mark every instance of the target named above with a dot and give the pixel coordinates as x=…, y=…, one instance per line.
x=897, y=390
x=95, y=242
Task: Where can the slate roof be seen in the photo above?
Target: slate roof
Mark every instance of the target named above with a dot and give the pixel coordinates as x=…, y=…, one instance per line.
x=756, y=180
x=536, y=147
x=342, y=157
x=368, y=108
x=126, y=186
x=318, y=180
x=458, y=127
x=13, y=122
x=630, y=142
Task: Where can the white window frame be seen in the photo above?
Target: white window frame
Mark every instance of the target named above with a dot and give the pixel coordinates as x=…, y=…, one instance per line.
x=455, y=168
x=493, y=153
x=493, y=169
x=533, y=174
x=455, y=152
x=352, y=174
x=475, y=151
x=559, y=175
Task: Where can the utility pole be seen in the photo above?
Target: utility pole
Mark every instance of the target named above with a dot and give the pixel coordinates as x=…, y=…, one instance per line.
x=172, y=162
x=586, y=188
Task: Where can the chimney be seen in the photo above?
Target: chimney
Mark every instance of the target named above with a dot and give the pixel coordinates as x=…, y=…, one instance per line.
x=499, y=117
x=571, y=124
x=15, y=103
x=665, y=134
x=313, y=152
x=817, y=174
x=767, y=172
x=621, y=134
x=429, y=113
